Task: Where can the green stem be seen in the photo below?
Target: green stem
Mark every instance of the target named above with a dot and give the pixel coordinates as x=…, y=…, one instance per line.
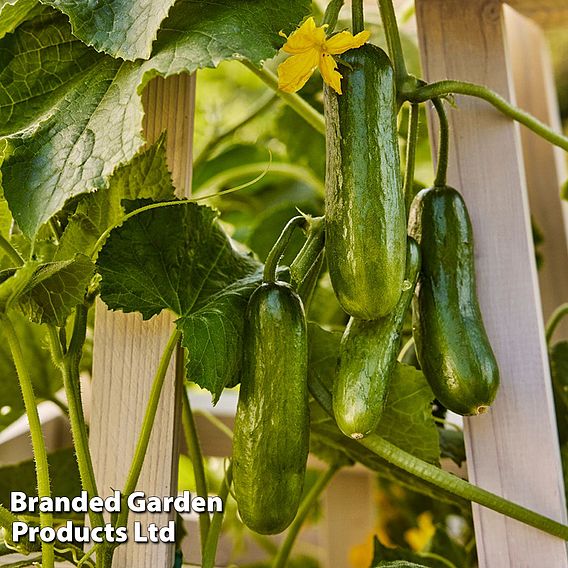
x=297, y=103
x=332, y=14
x=554, y=320
x=292, y=171
x=38, y=443
x=262, y=104
x=411, y=143
x=69, y=364
x=147, y=425
x=442, y=479
x=274, y=256
x=14, y=255
x=194, y=449
x=445, y=88
x=388, y=16
x=357, y=16
x=443, y=144
x=210, y=551
x=306, y=267
x=305, y=507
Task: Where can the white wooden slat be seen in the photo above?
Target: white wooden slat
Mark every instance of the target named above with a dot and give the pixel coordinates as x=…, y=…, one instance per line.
x=127, y=351
x=545, y=165
x=512, y=450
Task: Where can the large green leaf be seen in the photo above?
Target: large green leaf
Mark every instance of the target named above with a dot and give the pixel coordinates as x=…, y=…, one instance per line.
x=13, y=13
x=70, y=115
x=121, y=28
x=145, y=176
x=178, y=258
x=45, y=376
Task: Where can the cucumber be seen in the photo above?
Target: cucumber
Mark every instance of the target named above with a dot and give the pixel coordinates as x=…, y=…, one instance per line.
x=451, y=342
x=364, y=201
x=368, y=354
x=271, y=434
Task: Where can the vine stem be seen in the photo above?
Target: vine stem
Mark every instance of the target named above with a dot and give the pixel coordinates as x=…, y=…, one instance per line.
x=442, y=479
x=14, y=255
x=443, y=144
x=357, y=16
x=554, y=320
x=262, y=104
x=306, y=506
x=38, y=443
x=147, y=425
x=446, y=88
x=275, y=254
x=388, y=17
x=332, y=14
x=411, y=143
x=304, y=109
x=69, y=365
x=210, y=550
x=196, y=457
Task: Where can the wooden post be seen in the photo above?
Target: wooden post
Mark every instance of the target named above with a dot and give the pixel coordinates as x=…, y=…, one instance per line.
x=545, y=165
x=127, y=351
x=512, y=450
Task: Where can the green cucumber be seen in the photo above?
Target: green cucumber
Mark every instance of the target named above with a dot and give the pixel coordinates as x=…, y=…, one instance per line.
x=367, y=357
x=271, y=434
x=451, y=342
x=364, y=201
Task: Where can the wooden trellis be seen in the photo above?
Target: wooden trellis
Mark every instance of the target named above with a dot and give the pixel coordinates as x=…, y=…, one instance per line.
x=513, y=450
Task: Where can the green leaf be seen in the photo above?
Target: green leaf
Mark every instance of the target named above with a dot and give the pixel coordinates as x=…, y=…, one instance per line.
x=55, y=289
x=178, y=258
x=559, y=372
x=64, y=476
x=145, y=176
x=46, y=378
x=76, y=115
x=121, y=28
x=13, y=13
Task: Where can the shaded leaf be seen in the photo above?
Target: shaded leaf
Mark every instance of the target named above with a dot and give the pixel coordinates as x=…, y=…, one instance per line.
x=559, y=372
x=452, y=445
x=401, y=558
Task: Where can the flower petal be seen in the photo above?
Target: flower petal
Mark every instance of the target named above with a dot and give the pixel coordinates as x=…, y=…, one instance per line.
x=306, y=37
x=296, y=70
x=328, y=70
x=343, y=41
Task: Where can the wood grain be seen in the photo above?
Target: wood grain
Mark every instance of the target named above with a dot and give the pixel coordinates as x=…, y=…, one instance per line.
x=545, y=165
x=512, y=450
x=127, y=351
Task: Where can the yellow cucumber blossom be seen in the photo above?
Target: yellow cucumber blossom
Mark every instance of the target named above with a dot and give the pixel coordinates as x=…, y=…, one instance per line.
x=310, y=48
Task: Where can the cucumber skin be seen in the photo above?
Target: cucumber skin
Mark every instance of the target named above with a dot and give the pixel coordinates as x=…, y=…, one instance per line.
x=364, y=201
x=451, y=342
x=271, y=433
x=368, y=354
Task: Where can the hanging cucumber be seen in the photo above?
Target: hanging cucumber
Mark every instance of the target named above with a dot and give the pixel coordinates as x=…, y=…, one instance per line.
x=364, y=201
x=451, y=343
x=368, y=354
x=271, y=434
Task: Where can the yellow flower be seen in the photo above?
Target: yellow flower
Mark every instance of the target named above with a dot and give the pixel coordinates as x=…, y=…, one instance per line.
x=310, y=48
x=418, y=538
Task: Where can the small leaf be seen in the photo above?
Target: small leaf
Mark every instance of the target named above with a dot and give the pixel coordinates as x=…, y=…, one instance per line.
x=559, y=372
x=178, y=258
x=452, y=445
x=13, y=13
x=55, y=289
x=401, y=558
